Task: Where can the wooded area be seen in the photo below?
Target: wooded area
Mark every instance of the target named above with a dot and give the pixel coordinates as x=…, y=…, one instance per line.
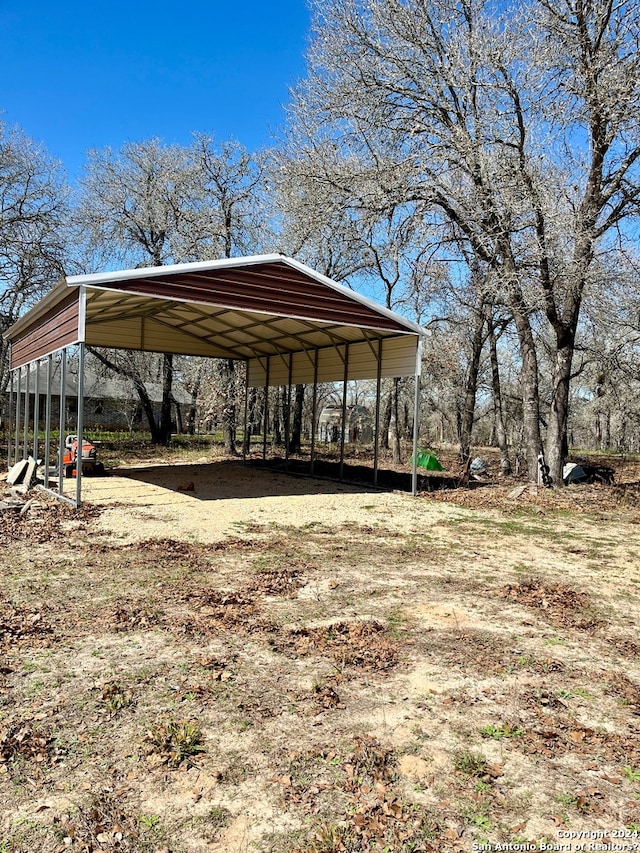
x=473, y=166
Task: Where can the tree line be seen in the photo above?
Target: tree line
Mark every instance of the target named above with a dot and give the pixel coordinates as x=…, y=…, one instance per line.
x=475, y=165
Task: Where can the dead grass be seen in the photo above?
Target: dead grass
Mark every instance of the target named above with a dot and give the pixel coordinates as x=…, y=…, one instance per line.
x=446, y=680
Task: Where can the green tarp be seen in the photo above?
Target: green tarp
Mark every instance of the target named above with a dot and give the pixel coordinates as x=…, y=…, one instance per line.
x=428, y=461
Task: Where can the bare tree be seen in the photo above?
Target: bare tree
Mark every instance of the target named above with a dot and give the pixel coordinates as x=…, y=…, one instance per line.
x=517, y=127
x=229, y=181
x=153, y=204
x=136, y=208
x=33, y=220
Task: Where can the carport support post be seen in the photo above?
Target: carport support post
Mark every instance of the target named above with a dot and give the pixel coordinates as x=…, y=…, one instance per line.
x=266, y=410
x=246, y=411
x=47, y=424
x=36, y=412
x=314, y=413
x=414, y=472
x=17, y=435
x=376, y=423
x=63, y=405
x=287, y=423
x=10, y=421
x=344, y=407
x=416, y=409
x=80, y=424
x=26, y=410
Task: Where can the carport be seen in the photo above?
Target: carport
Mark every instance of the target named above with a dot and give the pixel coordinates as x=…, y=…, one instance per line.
x=289, y=324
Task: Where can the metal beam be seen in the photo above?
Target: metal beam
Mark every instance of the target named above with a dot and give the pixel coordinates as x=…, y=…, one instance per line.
x=344, y=408
x=265, y=419
x=26, y=411
x=36, y=412
x=314, y=413
x=10, y=422
x=17, y=424
x=62, y=419
x=80, y=424
x=47, y=423
x=376, y=422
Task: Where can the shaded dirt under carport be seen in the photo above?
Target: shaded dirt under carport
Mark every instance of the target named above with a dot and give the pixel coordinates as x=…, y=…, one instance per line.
x=209, y=501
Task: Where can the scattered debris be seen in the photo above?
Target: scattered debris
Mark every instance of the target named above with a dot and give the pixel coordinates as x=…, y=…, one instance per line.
x=573, y=473
x=517, y=492
x=361, y=645
x=562, y=605
x=17, y=472
x=478, y=466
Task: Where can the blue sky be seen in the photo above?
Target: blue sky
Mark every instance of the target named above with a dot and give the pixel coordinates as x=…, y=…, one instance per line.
x=78, y=75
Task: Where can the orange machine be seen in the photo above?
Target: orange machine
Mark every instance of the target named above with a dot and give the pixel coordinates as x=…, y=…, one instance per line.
x=90, y=464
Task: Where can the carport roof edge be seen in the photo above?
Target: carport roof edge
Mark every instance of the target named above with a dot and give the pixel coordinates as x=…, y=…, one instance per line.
x=257, y=288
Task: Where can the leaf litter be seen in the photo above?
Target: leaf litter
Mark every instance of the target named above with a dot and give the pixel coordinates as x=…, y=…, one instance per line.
x=408, y=699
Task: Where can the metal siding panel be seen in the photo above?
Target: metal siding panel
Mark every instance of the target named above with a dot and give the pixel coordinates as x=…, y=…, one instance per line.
x=279, y=370
x=331, y=365
x=257, y=368
x=119, y=334
x=399, y=356
x=303, y=370
x=270, y=288
x=398, y=359
x=58, y=328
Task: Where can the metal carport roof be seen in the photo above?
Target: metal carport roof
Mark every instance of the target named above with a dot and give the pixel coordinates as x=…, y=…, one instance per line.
x=249, y=309
x=288, y=323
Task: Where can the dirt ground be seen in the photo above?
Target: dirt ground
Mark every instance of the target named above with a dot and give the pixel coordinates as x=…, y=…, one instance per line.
x=207, y=657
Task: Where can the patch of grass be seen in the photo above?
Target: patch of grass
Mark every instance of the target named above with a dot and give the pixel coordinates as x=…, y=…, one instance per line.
x=470, y=763
x=215, y=821
x=499, y=732
x=476, y=813
x=567, y=800
x=173, y=741
x=631, y=774
x=115, y=697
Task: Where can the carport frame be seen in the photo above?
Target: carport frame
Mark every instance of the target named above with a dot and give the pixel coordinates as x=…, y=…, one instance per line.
x=250, y=309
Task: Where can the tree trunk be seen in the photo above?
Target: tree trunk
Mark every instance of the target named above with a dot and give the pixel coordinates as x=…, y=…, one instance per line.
x=295, y=443
x=530, y=390
x=557, y=443
x=252, y=422
x=386, y=422
x=498, y=416
x=192, y=413
x=194, y=390
x=227, y=372
x=164, y=429
x=178, y=415
x=277, y=417
x=471, y=387
x=394, y=426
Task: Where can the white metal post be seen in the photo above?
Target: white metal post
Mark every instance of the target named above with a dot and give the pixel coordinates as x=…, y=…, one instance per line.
x=17, y=424
x=47, y=424
x=80, y=424
x=314, y=413
x=344, y=408
x=10, y=422
x=27, y=367
x=416, y=410
x=376, y=424
x=36, y=412
x=62, y=419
